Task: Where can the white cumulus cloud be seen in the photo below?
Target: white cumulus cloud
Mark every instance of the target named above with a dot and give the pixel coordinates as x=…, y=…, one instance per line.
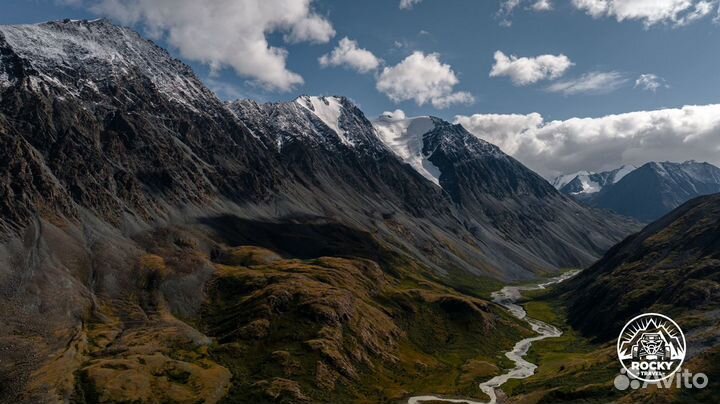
x=528, y=70
x=590, y=83
x=227, y=33
x=650, y=82
x=422, y=78
x=348, y=54
x=649, y=12
x=596, y=144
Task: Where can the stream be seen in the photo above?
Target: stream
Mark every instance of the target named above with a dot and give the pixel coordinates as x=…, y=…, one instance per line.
x=508, y=297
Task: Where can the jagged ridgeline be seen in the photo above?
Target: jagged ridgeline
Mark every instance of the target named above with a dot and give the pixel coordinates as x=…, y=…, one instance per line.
x=161, y=245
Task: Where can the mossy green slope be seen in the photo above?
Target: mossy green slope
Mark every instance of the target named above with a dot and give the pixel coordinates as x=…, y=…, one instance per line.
x=344, y=330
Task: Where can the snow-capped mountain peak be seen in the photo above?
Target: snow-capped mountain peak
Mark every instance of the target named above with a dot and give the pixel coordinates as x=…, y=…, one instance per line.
x=404, y=136
x=74, y=56
x=587, y=182
x=656, y=188
x=333, y=123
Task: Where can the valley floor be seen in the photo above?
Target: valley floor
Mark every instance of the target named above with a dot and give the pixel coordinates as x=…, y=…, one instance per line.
x=574, y=368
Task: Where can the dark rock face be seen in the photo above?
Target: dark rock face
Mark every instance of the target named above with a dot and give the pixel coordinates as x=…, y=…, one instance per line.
x=657, y=188
x=351, y=177
x=472, y=168
x=127, y=130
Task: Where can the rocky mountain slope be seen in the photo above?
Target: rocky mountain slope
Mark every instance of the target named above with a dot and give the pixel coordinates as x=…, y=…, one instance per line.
x=96, y=118
x=110, y=125
x=671, y=267
x=645, y=193
x=337, y=169
x=321, y=129
x=130, y=197
x=671, y=263
x=528, y=216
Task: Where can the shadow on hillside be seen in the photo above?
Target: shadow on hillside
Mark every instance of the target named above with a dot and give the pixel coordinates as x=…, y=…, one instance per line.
x=296, y=240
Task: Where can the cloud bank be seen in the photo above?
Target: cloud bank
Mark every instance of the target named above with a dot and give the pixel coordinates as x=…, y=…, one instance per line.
x=597, y=144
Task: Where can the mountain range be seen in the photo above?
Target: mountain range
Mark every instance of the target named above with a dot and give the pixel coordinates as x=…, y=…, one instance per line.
x=645, y=193
x=153, y=234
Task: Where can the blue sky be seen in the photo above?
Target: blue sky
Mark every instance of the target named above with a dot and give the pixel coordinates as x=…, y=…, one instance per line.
x=676, y=47
x=466, y=33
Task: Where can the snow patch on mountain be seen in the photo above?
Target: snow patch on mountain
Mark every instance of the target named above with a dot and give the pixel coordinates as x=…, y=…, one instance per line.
x=563, y=180
x=588, y=186
x=622, y=172
x=329, y=110
x=404, y=136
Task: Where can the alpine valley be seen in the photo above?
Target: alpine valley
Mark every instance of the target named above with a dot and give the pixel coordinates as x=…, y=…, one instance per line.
x=159, y=245
x=670, y=267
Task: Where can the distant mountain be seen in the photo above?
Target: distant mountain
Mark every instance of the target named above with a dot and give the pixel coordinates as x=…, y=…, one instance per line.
x=585, y=184
x=657, y=188
x=648, y=192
